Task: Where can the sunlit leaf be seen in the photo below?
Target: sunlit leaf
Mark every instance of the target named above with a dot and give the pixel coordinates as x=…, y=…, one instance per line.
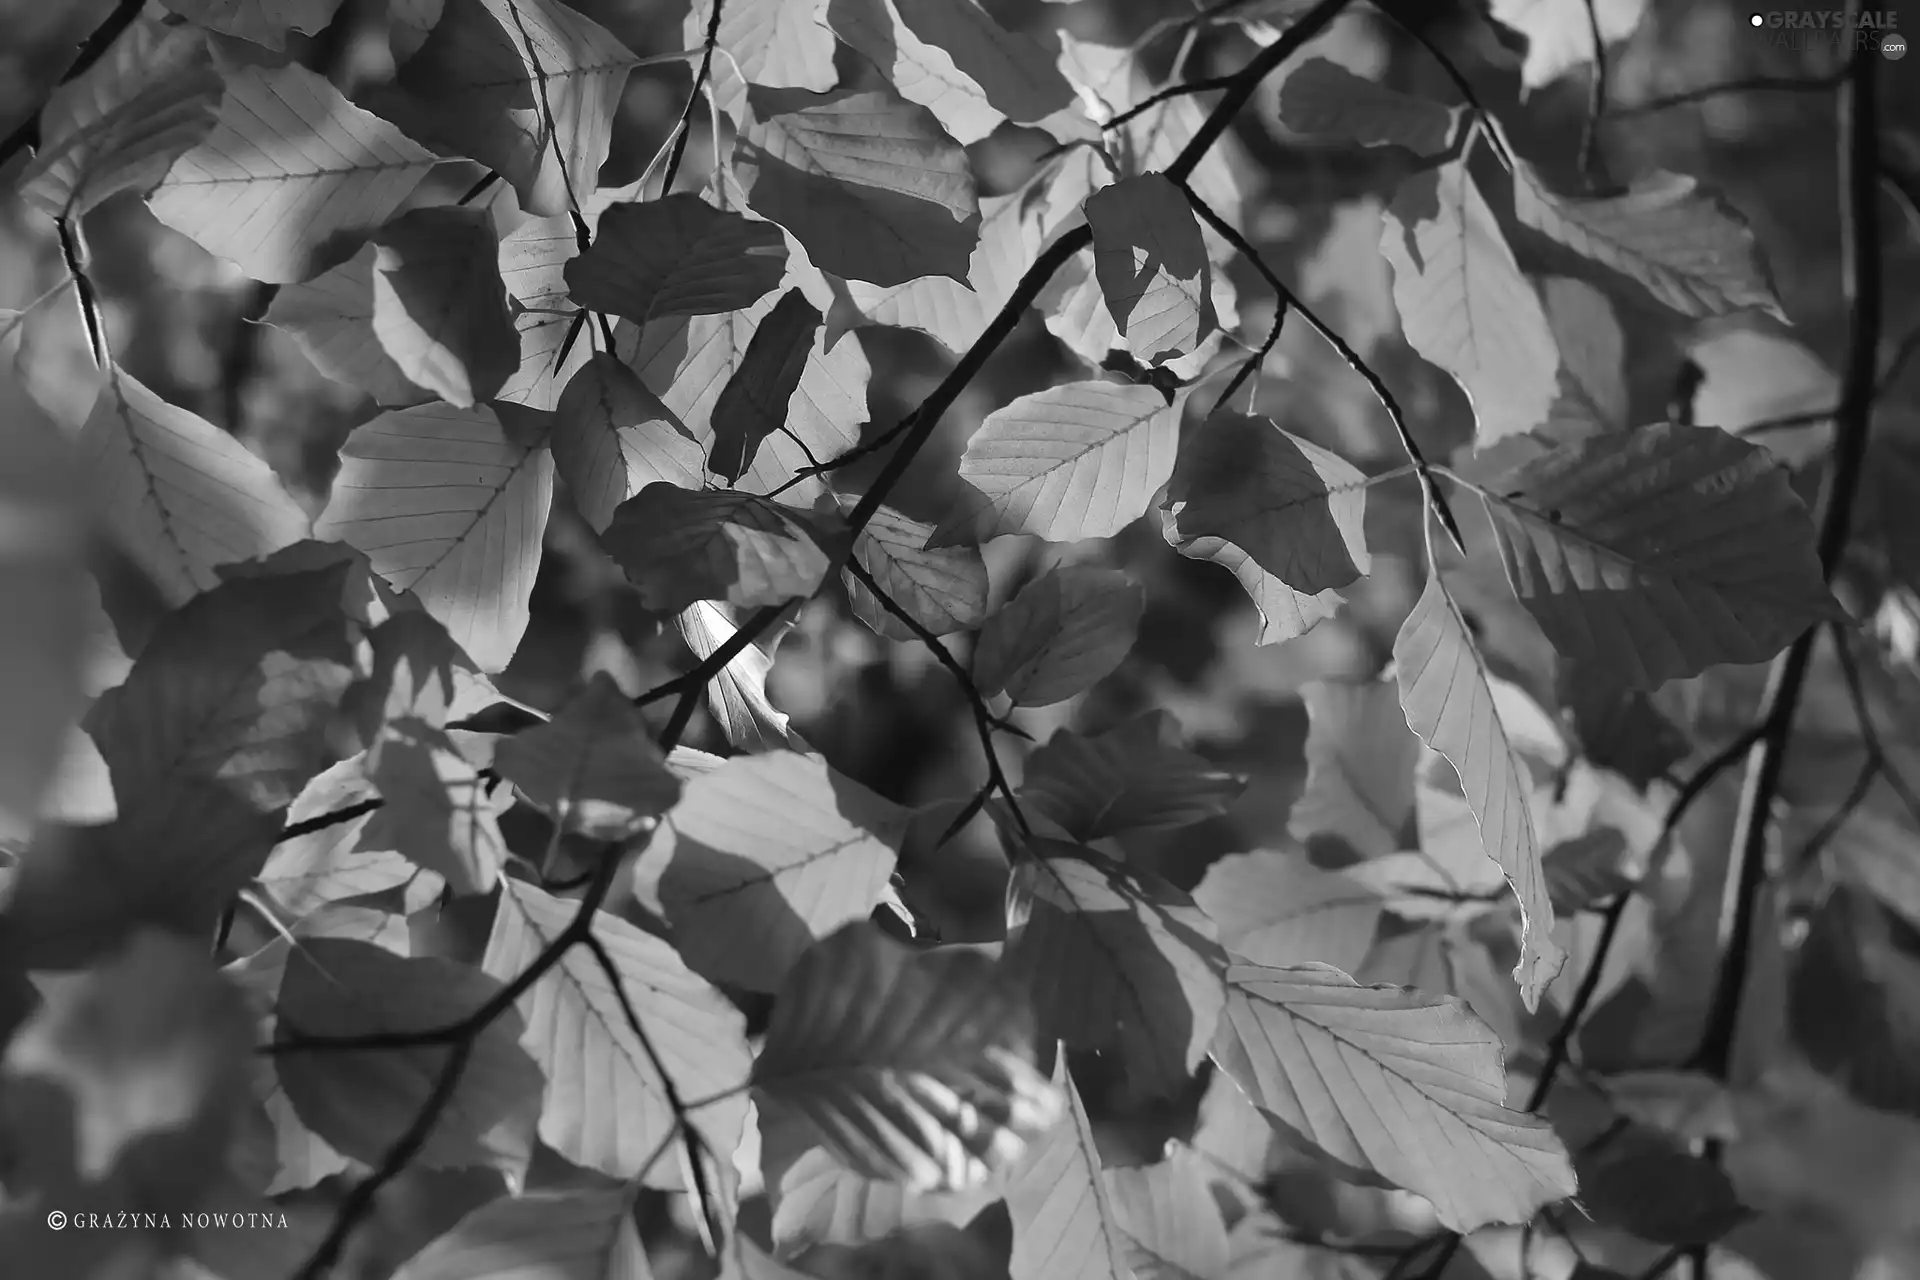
x=1129, y=778
x=1117, y=962
x=1324, y=98
x=679, y=546
x=943, y=589
x=594, y=766
x=1653, y=554
x=1169, y=1217
x=1274, y=907
x=753, y=404
x=612, y=438
x=782, y=44
x=264, y=22
x=1394, y=1085
x=331, y=317
x=307, y=872
x=779, y=848
x=606, y=1106
x=1560, y=32
x=819, y=1200
x=1284, y=515
x=1464, y=304
x=1360, y=769
x=1065, y=632
x=737, y=697
x=912, y=1065
x=449, y=508
x=438, y=809
x=1152, y=266
x=439, y=308
x=289, y=165
x=1063, y=1222
x=869, y=183
x=676, y=256
x=579, y=1235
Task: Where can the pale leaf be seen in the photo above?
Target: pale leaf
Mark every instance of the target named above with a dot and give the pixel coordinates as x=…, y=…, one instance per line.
x=782, y=44
x=1063, y=1222
x=439, y=308
x=1274, y=907
x=438, y=809
x=1360, y=769
x=737, y=697
x=578, y=1235
x=1560, y=32
x=1172, y=1223
x=612, y=438
x=264, y=22
x=1152, y=266
x=943, y=589
x=331, y=318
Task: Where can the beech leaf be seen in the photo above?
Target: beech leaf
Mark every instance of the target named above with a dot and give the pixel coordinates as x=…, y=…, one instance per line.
x=1066, y=631
x=581, y=1235
x=1064, y=1226
x=331, y=318
x=676, y=256
x=1152, y=266
x=753, y=404
x=612, y=438
x=594, y=767
x=681, y=546
x=943, y=589
x=1129, y=778
x=1324, y=98
x=1361, y=759
x=1274, y=907
x=439, y=308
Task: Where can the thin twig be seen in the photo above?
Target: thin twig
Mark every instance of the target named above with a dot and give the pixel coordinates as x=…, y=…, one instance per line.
x=1746, y=84
x=1596, y=95
x=684, y=128
x=1869, y=732
x=27, y=132
x=1168, y=94
x=1861, y=289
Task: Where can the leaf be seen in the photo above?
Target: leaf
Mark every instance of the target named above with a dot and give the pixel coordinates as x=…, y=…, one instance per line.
x=1639, y=1180
x=1560, y=32
x=362, y=1100
x=953, y=58
x=1361, y=759
x=331, y=318
x=309, y=871
x=1126, y=779
x=439, y=810
x=1322, y=97
x=533, y=258
x=1685, y=245
x=676, y=256
x=439, y=308
x=575, y=1235
x=1064, y=1226
x=821, y=1201
x=606, y=1106
x=612, y=438
x=1079, y=460
x=447, y=507
x=1168, y=1214
x=119, y=125
x=680, y=546
x=778, y=848
x=1274, y=907
x=1394, y=1085
x=867, y=182
x=1464, y=304
x=943, y=589
x=526, y=87
x=911, y=1066
x=1449, y=703
x=1285, y=516
x=1653, y=554
x=594, y=767
x=737, y=697
x=1116, y=962
x=1066, y=631
x=775, y=43
x=1593, y=352
x=1152, y=266
x=264, y=22
x=1586, y=870
x=181, y=495
x=1852, y=992
x=289, y=165
x=753, y=404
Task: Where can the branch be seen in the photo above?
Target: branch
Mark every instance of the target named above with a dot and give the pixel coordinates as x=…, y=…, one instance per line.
x=1596, y=94
x=27, y=132
x=684, y=128
x=1746, y=84
x=1860, y=286
x=1168, y=94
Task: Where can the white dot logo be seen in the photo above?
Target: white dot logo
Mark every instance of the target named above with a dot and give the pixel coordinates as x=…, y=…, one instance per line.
x=1758, y=20
x=1893, y=46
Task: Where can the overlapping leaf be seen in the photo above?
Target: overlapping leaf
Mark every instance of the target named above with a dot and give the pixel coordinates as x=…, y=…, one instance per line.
x=1393, y=1084
x=778, y=848
x=775, y=43
x=1683, y=244
x=181, y=495
x=1274, y=907
x=526, y=87
x=1560, y=32
x=612, y=438
x=1361, y=759
x=439, y=308
x=1449, y=703
x=819, y=1200
x=331, y=317
x=1080, y=460
x=362, y=1101
x=593, y=767
x=264, y=22
x=943, y=589
x=438, y=810
x=446, y=506
x=753, y=404
x=581, y=1235
x=1116, y=962
x=1130, y=778
x=1065, y=632
x=868, y=182
x=1464, y=304
x=676, y=256
x=682, y=546
x=914, y=1066
x=1167, y=1212
x=1640, y=1180
x=606, y=1106
x=1152, y=266
x=1064, y=1226
x=1323, y=97
x=737, y=697
x=289, y=165
x=1284, y=515
x=533, y=258
x=1652, y=554
x=307, y=872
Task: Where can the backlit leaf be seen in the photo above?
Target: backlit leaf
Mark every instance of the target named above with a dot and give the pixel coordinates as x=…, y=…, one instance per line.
x=264, y=22
x=776, y=847
x=1560, y=32
x=1129, y=778
x=438, y=809
x=676, y=256
x=1117, y=962
x=1464, y=304
x=1445, y=692
x=1274, y=907
x=533, y=258
x=943, y=589
x=753, y=404
x=605, y=1105
x=1360, y=769
x=1284, y=515
x=578, y=1235
x=449, y=508
x=737, y=697
x=439, y=308
x=782, y=44
x=916, y=1066
x=1152, y=266
x=1063, y=1221
x=1320, y=97
x=289, y=165
x=1653, y=554
x=593, y=767
x=869, y=183
x=181, y=495
x=1080, y=460
x=819, y=1200
x=331, y=318
x=1065, y=632
x=612, y=438
x=361, y=1101
x=1168, y=1214
x=680, y=546
x=309, y=871
x=1394, y=1085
